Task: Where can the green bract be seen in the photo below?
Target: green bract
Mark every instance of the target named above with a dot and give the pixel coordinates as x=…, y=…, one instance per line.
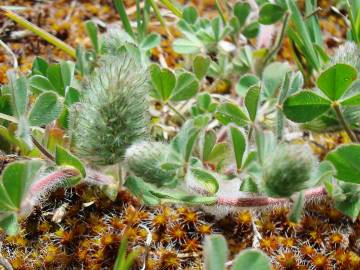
x=146, y=160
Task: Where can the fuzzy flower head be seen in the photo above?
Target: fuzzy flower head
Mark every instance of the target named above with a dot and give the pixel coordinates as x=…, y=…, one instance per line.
x=144, y=159
x=348, y=53
x=113, y=112
x=289, y=170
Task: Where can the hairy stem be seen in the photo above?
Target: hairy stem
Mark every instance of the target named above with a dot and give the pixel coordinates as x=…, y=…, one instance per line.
x=279, y=41
x=254, y=202
x=10, y=53
x=42, y=149
x=343, y=122
x=43, y=186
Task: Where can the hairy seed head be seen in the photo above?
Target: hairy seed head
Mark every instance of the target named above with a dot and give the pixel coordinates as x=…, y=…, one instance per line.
x=289, y=170
x=113, y=113
x=144, y=159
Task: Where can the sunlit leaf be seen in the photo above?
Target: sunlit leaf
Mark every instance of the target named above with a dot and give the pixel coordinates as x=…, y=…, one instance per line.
x=215, y=252
x=46, y=109
x=305, y=106
x=346, y=160
x=334, y=81
x=251, y=259
x=270, y=13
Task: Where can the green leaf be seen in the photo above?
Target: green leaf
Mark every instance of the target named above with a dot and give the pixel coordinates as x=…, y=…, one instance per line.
x=284, y=88
x=61, y=76
x=242, y=12
x=201, y=65
x=270, y=13
x=302, y=31
x=249, y=185
x=5, y=104
x=245, y=82
x=349, y=204
x=185, y=46
x=151, y=195
x=350, y=208
x=6, y=205
x=190, y=14
x=207, y=144
x=141, y=190
x=230, y=113
x=305, y=106
x=93, y=32
x=251, y=259
x=186, y=87
x=19, y=93
x=8, y=221
x=72, y=96
x=215, y=252
x=40, y=83
x=297, y=209
x=324, y=173
x=252, y=99
x=17, y=178
x=297, y=82
x=321, y=53
x=64, y=157
x=346, y=160
x=204, y=101
x=150, y=41
x=219, y=152
x=238, y=145
x=46, y=109
x=206, y=178
x=265, y=144
x=351, y=101
x=252, y=30
x=23, y=131
x=273, y=76
x=334, y=81
x=39, y=66
x=163, y=81
x=185, y=140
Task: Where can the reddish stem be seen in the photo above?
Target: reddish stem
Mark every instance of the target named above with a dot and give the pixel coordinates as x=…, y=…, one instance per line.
x=263, y=201
x=52, y=179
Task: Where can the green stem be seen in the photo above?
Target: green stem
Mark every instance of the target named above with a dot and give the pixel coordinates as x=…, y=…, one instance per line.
x=314, y=12
x=120, y=8
x=40, y=32
x=172, y=8
x=251, y=130
x=8, y=118
x=159, y=16
x=172, y=107
x=343, y=122
x=279, y=41
x=220, y=11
